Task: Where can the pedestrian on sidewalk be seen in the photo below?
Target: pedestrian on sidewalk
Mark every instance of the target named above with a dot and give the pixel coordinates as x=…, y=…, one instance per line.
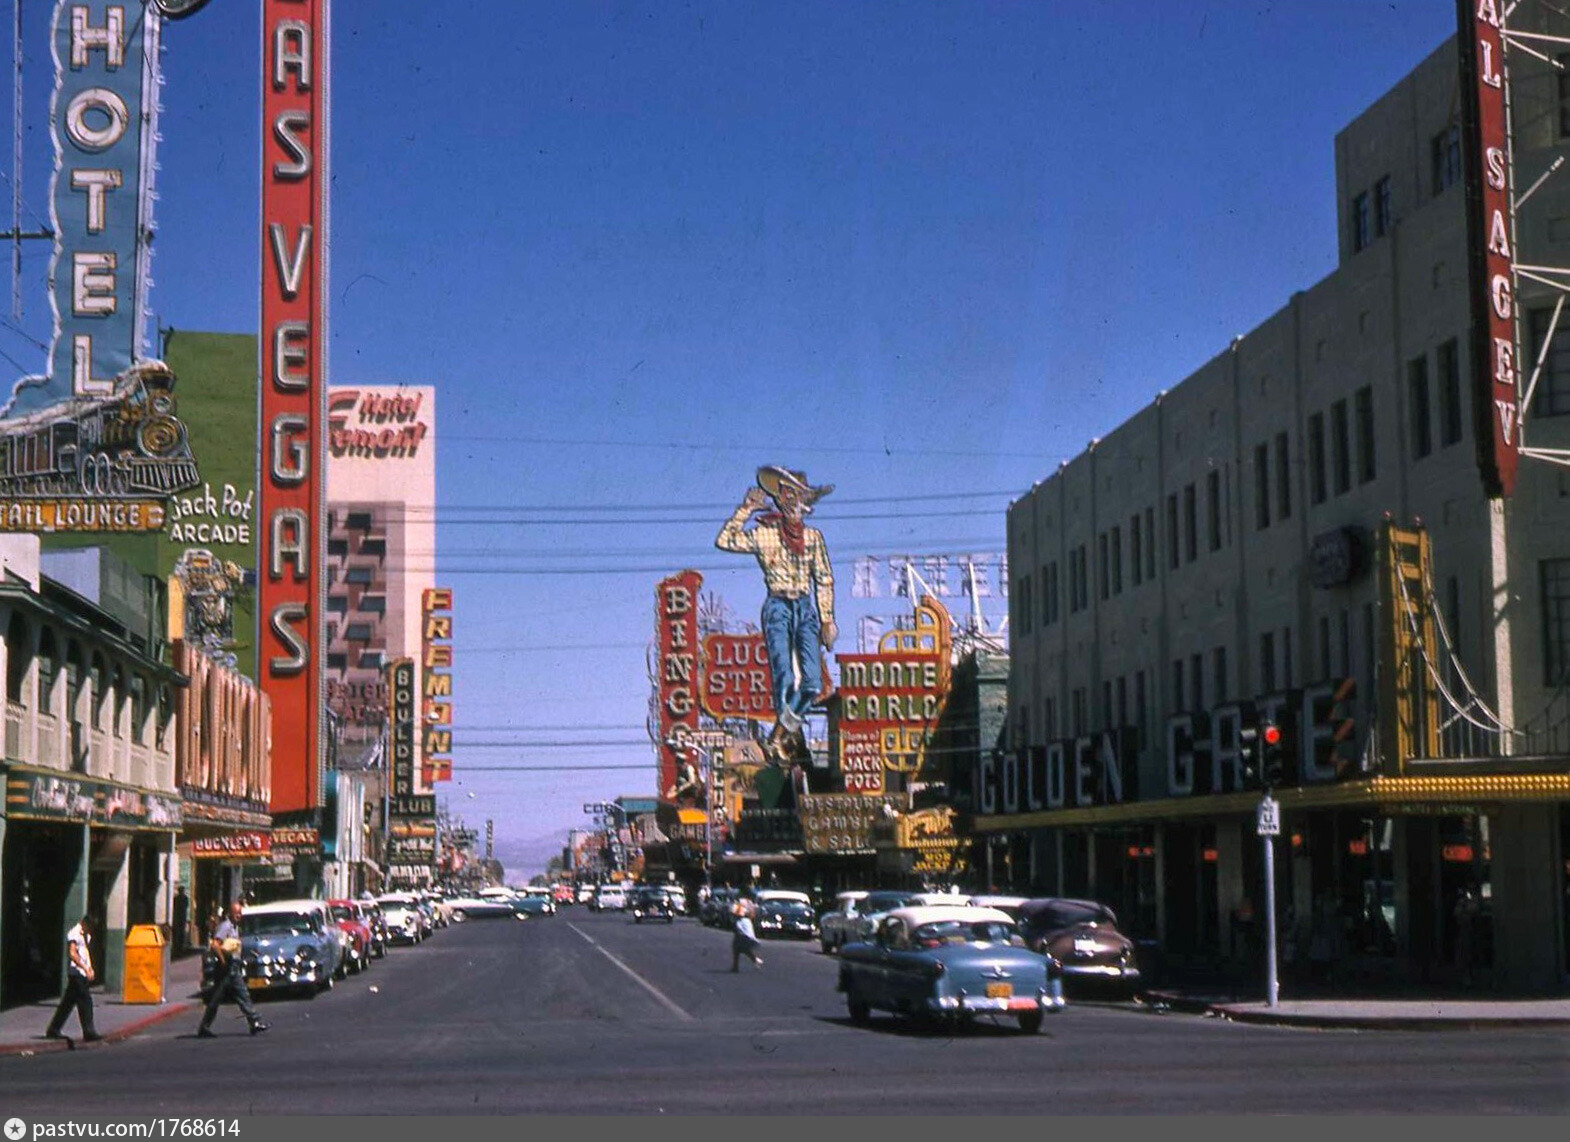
x=744, y=942
x=78, y=978
x=230, y=983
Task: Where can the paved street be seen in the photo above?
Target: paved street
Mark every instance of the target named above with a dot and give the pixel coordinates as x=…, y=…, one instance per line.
x=591, y=1013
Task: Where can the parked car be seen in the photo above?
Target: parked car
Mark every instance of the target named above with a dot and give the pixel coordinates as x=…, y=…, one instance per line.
x=563, y=895
x=585, y=894
x=404, y=922
x=651, y=904
x=542, y=895
x=1083, y=935
x=291, y=945
x=481, y=908
x=350, y=918
x=787, y=919
x=1009, y=904
x=441, y=911
x=856, y=917
x=945, y=964
x=716, y=910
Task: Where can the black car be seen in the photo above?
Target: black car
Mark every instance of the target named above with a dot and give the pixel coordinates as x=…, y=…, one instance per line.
x=651, y=904
x=786, y=919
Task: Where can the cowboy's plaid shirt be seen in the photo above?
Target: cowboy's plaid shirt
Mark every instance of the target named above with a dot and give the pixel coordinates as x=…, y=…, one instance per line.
x=785, y=573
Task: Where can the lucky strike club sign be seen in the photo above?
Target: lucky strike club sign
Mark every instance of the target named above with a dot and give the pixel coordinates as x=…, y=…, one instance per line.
x=890, y=701
x=293, y=340
x=1486, y=147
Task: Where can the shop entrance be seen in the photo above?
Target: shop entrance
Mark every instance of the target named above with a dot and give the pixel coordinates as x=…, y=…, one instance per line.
x=40, y=863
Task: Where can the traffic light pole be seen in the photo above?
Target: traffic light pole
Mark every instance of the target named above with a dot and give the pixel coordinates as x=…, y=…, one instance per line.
x=1272, y=983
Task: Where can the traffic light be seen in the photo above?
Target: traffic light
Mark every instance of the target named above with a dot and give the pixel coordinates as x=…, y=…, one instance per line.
x=1272, y=764
x=1248, y=750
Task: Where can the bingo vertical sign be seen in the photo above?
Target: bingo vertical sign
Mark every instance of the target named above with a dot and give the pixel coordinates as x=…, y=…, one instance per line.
x=1490, y=226
x=293, y=400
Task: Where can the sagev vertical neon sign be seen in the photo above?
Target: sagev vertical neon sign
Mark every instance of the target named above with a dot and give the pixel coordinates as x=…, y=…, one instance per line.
x=293, y=396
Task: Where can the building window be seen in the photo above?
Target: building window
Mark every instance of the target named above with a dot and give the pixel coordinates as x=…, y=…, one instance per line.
x=1364, y=401
x=1418, y=407
x=1122, y=702
x=1286, y=657
x=1382, y=216
x=1316, y=457
x=373, y=604
x=1084, y=576
x=1346, y=643
x=1136, y=558
x=1196, y=674
x=1340, y=447
x=1150, y=543
x=1172, y=532
x=1190, y=524
x=1360, y=223
x=1552, y=397
x=1261, y=487
x=360, y=576
x=1563, y=80
x=1103, y=566
x=1049, y=593
x=1283, y=477
x=1267, y=662
x=373, y=659
x=1106, y=705
x=1177, y=686
x=1049, y=721
x=1078, y=700
x=1140, y=722
x=1027, y=602
x=338, y=662
x=1556, y=621
x=358, y=521
x=1445, y=157
x=357, y=632
x=1218, y=664
x=1117, y=561
x=1213, y=498
x=1450, y=418
x=1324, y=646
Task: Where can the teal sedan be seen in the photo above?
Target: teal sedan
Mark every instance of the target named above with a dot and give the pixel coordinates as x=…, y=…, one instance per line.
x=946, y=964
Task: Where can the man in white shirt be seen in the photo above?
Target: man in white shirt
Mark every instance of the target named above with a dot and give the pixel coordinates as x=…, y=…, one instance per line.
x=78, y=978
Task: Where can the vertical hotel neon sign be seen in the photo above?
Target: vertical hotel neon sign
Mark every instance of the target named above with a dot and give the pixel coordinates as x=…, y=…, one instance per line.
x=1490, y=227
x=293, y=396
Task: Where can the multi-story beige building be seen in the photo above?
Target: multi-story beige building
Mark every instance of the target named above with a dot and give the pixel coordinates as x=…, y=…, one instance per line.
x=1219, y=561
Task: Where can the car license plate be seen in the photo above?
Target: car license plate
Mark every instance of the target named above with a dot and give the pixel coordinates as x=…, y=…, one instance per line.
x=1084, y=947
x=256, y=983
x=1000, y=990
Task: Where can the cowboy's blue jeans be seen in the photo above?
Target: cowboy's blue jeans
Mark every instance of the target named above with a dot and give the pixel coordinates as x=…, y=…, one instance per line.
x=793, y=631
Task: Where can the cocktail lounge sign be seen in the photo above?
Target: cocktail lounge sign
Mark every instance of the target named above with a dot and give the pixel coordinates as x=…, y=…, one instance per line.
x=49, y=797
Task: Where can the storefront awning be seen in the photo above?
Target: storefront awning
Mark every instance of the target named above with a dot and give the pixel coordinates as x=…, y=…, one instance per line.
x=1392, y=795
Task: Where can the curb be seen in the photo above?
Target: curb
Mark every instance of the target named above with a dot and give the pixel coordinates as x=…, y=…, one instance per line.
x=1233, y=1013
x=118, y=1035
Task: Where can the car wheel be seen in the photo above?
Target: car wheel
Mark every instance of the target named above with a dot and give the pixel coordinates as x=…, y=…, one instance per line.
x=1030, y=1022
x=459, y=915
x=326, y=982
x=859, y=1012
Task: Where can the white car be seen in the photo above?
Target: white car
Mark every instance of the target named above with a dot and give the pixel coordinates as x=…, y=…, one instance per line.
x=402, y=914
x=609, y=898
x=856, y=916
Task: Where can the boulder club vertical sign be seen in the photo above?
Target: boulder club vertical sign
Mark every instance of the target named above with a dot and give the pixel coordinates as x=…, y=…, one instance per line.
x=1490, y=241
x=293, y=391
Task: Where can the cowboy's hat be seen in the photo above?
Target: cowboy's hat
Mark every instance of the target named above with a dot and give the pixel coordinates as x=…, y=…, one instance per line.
x=771, y=478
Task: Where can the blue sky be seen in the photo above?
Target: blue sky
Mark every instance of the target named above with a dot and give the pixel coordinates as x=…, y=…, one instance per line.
x=917, y=249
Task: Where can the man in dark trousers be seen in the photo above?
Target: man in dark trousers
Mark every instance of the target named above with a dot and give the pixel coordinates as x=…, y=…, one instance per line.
x=78, y=978
x=230, y=984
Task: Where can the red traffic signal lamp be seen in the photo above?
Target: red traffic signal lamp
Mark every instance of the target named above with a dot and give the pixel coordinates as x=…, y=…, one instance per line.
x=1272, y=765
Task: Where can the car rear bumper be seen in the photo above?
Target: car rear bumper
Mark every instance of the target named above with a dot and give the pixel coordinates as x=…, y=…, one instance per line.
x=1110, y=972
x=953, y=1004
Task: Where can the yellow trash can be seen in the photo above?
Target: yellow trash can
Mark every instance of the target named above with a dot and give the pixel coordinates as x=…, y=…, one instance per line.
x=144, y=965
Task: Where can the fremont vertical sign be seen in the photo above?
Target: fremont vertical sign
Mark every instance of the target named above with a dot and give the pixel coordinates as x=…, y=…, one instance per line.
x=293, y=402
x=1490, y=241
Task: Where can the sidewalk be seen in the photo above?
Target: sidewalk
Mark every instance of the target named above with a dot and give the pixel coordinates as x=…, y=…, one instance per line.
x=22, y=1028
x=1371, y=1010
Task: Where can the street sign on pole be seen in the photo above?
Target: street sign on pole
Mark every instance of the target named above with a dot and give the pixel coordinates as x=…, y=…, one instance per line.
x=1267, y=822
x=1268, y=826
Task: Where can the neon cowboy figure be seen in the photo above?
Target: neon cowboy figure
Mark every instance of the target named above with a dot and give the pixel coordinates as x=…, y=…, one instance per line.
x=798, y=615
